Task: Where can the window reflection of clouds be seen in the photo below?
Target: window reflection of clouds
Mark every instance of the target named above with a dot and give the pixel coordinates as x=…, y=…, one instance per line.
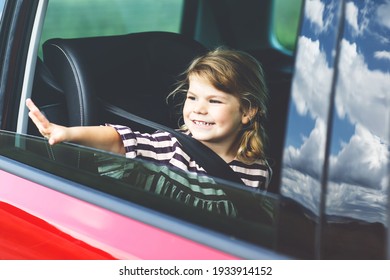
x=382, y=55
x=314, y=11
x=369, y=29
x=360, y=153
x=352, y=18
x=319, y=24
x=382, y=14
x=362, y=94
x=320, y=15
x=359, y=167
x=310, y=94
x=312, y=79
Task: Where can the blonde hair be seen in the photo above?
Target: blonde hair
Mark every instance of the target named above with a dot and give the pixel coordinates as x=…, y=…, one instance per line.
x=237, y=73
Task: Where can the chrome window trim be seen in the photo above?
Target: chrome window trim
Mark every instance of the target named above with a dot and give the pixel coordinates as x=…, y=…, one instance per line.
x=29, y=72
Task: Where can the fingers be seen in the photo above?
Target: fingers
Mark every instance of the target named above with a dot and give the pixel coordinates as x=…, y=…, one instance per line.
x=30, y=105
x=38, y=118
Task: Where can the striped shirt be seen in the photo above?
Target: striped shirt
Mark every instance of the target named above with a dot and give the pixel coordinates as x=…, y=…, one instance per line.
x=163, y=148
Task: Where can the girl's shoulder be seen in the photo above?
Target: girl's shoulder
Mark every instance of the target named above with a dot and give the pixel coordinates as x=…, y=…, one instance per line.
x=256, y=174
x=161, y=135
x=258, y=164
x=158, y=135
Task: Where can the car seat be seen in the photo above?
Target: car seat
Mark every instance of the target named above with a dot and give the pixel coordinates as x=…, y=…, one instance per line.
x=134, y=71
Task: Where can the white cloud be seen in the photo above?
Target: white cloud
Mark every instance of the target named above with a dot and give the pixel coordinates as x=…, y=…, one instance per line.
x=382, y=55
x=351, y=15
x=382, y=13
x=314, y=11
x=362, y=94
x=312, y=79
x=308, y=157
x=358, y=24
x=320, y=15
x=362, y=161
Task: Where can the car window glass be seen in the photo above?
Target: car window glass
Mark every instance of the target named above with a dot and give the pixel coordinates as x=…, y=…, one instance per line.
x=308, y=112
x=77, y=19
x=304, y=150
x=361, y=119
x=358, y=183
x=215, y=204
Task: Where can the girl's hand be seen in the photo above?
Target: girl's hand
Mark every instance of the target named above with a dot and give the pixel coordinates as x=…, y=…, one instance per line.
x=53, y=132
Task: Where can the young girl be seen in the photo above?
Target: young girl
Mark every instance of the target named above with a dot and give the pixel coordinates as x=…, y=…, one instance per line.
x=225, y=104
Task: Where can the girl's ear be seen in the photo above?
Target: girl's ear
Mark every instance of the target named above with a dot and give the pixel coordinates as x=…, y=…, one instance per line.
x=248, y=115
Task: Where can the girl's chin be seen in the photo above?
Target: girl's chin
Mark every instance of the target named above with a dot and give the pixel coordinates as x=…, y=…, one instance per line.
x=200, y=136
x=201, y=127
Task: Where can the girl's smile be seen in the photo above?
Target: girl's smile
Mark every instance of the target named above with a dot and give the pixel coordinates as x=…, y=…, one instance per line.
x=202, y=123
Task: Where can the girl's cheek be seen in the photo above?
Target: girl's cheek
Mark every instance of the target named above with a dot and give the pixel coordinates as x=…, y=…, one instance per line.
x=186, y=112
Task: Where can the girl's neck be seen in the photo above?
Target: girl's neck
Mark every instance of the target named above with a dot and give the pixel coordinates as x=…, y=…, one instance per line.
x=227, y=153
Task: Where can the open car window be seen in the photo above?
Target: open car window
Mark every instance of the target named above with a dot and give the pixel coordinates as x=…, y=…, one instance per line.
x=78, y=19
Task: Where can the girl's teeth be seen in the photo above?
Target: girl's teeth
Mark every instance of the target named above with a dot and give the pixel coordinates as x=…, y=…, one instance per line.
x=201, y=123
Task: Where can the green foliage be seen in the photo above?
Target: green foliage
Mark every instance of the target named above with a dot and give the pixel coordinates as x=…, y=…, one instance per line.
x=85, y=18
x=286, y=21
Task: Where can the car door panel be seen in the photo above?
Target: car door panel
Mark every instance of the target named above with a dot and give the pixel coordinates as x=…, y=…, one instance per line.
x=55, y=225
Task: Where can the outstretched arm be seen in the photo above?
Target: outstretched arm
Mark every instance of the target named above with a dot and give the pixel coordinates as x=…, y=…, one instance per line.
x=100, y=137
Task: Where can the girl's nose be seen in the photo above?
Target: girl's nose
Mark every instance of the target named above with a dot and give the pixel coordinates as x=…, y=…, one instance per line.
x=200, y=107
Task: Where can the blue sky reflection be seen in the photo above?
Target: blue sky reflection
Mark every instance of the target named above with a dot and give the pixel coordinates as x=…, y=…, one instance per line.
x=359, y=147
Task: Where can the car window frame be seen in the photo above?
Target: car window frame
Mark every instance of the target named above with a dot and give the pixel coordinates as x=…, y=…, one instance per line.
x=31, y=62
x=15, y=74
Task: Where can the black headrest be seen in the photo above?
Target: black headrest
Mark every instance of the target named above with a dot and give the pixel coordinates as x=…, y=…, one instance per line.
x=134, y=71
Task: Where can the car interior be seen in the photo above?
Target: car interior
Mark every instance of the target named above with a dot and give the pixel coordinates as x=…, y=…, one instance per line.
x=137, y=71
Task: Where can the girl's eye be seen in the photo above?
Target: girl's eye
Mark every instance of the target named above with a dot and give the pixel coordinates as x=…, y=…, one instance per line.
x=190, y=97
x=215, y=101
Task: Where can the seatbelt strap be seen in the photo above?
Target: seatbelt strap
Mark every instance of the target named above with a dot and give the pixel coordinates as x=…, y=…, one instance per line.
x=212, y=163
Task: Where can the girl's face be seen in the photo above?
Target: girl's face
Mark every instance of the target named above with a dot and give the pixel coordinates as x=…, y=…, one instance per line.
x=212, y=116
